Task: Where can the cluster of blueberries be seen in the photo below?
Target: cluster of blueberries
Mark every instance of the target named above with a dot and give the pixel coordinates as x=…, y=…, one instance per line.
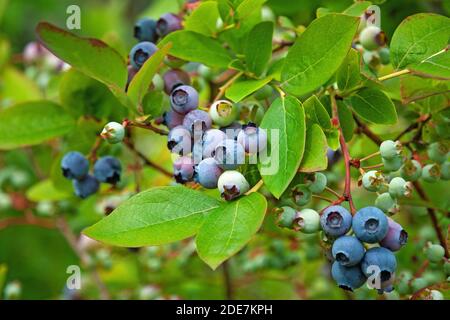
x=75, y=167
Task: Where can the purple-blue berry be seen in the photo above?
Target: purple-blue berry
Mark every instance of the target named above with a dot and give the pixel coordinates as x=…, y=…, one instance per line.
x=183, y=169
x=211, y=139
x=347, y=278
x=336, y=221
x=207, y=173
x=167, y=23
x=172, y=119
x=229, y=154
x=74, y=165
x=379, y=260
x=141, y=52
x=395, y=238
x=252, y=138
x=348, y=251
x=145, y=30
x=108, y=169
x=184, y=99
x=179, y=140
x=370, y=224
x=86, y=186
x=175, y=78
x=197, y=120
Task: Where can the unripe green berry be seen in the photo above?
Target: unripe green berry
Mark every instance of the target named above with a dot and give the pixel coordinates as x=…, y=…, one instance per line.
x=418, y=284
x=307, y=221
x=431, y=173
x=5, y=201
x=411, y=170
x=301, y=194
x=13, y=290
x=436, y=295
x=372, y=37
x=385, y=202
x=384, y=55
x=438, y=152
x=392, y=164
x=113, y=132
x=445, y=170
x=318, y=182
x=205, y=72
x=447, y=267
x=390, y=149
x=223, y=112
x=286, y=216
x=398, y=187
x=373, y=180
x=435, y=253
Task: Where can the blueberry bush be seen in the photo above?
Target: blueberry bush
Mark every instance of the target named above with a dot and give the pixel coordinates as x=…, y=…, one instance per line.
x=225, y=149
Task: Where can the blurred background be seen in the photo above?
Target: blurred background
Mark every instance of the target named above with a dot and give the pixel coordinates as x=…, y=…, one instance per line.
x=34, y=256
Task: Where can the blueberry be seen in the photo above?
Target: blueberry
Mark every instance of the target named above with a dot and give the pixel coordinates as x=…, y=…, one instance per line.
x=211, y=139
x=438, y=152
x=318, y=182
x=301, y=194
x=445, y=170
x=167, y=23
x=372, y=38
x=229, y=154
x=398, y=187
x=175, y=78
x=336, y=221
x=387, y=285
x=141, y=52
x=436, y=295
x=347, y=278
x=232, y=131
x=384, y=56
x=348, y=251
x=74, y=165
x=184, y=99
x=431, y=173
x=113, y=132
x=307, y=221
x=183, y=169
x=370, y=224
x=131, y=73
x=392, y=164
x=197, y=119
x=107, y=169
x=207, y=173
x=382, y=259
x=86, y=186
x=286, y=216
x=232, y=184
x=395, y=238
x=373, y=180
x=223, y=112
x=386, y=203
x=411, y=170
x=252, y=138
x=435, y=252
x=390, y=149
x=179, y=140
x=172, y=119
x=145, y=30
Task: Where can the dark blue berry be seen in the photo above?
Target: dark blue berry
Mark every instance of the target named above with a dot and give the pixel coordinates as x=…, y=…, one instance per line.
x=184, y=99
x=108, y=169
x=370, y=224
x=348, y=251
x=347, y=278
x=395, y=238
x=381, y=261
x=86, y=186
x=74, y=165
x=336, y=221
x=167, y=23
x=197, y=120
x=145, y=30
x=183, y=169
x=207, y=173
x=175, y=78
x=141, y=52
x=172, y=119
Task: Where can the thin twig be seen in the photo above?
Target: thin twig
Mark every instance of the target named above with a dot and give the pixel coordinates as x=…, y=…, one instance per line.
x=333, y=192
x=365, y=129
x=227, y=84
x=256, y=187
x=147, y=126
x=322, y=198
x=394, y=74
x=229, y=289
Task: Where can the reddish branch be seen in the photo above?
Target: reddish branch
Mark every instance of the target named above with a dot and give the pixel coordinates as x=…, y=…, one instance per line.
x=363, y=128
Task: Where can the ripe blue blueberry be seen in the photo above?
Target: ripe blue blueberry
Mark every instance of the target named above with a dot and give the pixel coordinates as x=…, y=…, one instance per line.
x=398, y=187
x=301, y=194
x=373, y=180
x=307, y=221
x=184, y=99
x=141, y=52
x=223, y=112
x=286, y=216
x=107, y=169
x=167, y=23
x=392, y=164
x=207, y=173
x=183, y=169
x=390, y=149
x=371, y=38
x=370, y=224
x=386, y=203
x=211, y=139
x=113, y=132
x=347, y=278
x=86, y=186
x=229, y=154
x=232, y=131
x=336, y=221
x=198, y=120
x=145, y=30
x=411, y=170
x=348, y=251
x=381, y=261
x=232, y=184
x=175, y=78
x=438, y=152
x=252, y=138
x=172, y=119
x=179, y=140
x=395, y=238
x=318, y=182
x=431, y=173
x=74, y=165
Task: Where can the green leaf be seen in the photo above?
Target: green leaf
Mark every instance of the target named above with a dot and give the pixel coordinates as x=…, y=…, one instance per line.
x=437, y=66
x=142, y=80
x=153, y=217
x=322, y=48
x=315, y=156
x=413, y=88
x=16, y=87
x=346, y=120
x=357, y=8
x=45, y=191
x=418, y=37
x=153, y=103
x=243, y=88
x=348, y=75
x=228, y=228
x=287, y=117
x=196, y=47
x=203, y=19
x=91, y=56
x=248, y=7
x=32, y=123
x=316, y=112
x=258, y=48
x=374, y=106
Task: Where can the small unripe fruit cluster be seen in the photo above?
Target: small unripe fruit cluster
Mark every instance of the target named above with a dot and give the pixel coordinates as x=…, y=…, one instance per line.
x=75, y=167
x=372, y=45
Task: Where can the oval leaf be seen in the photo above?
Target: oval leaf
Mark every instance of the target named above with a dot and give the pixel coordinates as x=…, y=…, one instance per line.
x=315, y=157
x=227, y=229
x=318, y=53
x=374, y=106
x=153, y=217
x=348, y=75
x=346, y=120
x=32, y=123
x=287, y=143
x=258, y=47
x=243, y=88
x=437, y=66
x=203, y=19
